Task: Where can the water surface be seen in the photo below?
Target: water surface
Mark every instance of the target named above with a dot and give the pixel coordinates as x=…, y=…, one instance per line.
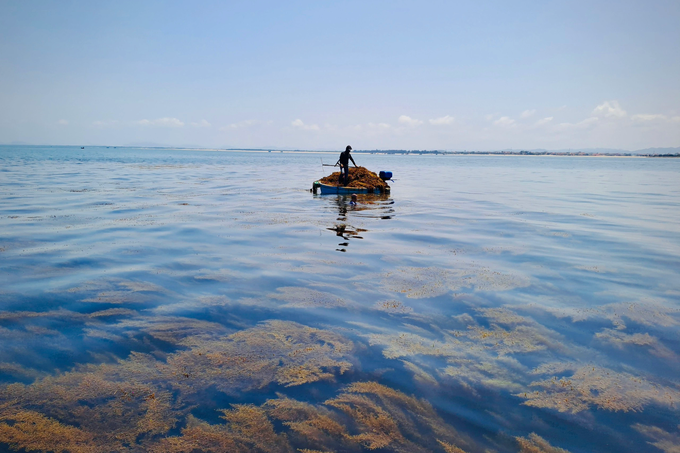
x=173, y=300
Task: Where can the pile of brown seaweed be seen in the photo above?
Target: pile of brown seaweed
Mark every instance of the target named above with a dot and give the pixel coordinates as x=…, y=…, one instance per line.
x=359, y=177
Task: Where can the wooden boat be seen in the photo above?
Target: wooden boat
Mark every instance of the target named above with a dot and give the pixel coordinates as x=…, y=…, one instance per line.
x=325, y=189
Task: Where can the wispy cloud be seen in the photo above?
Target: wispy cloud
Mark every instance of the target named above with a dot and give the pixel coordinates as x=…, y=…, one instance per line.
x=610, y=109
x=444, y=120
x=162, y=122
x=202, y=123
x=299, y=124
x=586, y=123
x=504, y=121
x=527, y=114
x=490, y=116
x=407, y=120
x=543, y=121
x=240, y=125
x=372, y=127
x=109, y=123
x=62, y=122
x=646, y=117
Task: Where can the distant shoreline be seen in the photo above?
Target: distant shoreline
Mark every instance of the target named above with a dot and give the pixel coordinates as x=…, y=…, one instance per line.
x=381, y=152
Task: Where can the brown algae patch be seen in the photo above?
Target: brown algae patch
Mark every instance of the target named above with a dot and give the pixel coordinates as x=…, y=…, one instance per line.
x=393, y=306
x=120, y=405
x=622, y=340
x=387, y=418
x=301, y=297
x=661, y=439
x=534, y=443
x=426, y=282
x=593, y=386
x=651, y=313
x=365, y=415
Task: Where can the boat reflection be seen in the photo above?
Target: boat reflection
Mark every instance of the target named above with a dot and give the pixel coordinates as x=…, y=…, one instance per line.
x=377, y=206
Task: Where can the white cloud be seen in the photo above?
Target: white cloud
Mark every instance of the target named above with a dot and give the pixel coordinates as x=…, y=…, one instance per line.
x=527, y=113
x=504, y=121
x=676, y=119
x=62, y=122
x=202, y=123
x=240, y=125
x=444, y=120
x=648, y=117
x=610, y=109
x=109, y=123
x=305, y=127
x=162, y=122
x=407, y=120
x=586, y=123
x=544, y=121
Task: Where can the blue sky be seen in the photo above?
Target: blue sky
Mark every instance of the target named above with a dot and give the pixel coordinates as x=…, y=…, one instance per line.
x=319, y=75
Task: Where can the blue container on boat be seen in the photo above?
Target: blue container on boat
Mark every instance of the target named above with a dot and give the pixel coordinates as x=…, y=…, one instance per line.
x=385, y=175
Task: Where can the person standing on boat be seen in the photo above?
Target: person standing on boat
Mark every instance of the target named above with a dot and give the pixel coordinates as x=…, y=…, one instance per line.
x=344, y=165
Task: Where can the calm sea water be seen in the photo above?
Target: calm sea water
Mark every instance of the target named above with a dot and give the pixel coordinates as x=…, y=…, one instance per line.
x=171, y=300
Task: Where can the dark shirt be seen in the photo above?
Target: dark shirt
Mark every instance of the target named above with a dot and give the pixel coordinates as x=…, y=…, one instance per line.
x=345, y=158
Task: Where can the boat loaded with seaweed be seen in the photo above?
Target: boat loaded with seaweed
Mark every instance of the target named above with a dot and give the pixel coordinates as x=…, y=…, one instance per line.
x=361, y=180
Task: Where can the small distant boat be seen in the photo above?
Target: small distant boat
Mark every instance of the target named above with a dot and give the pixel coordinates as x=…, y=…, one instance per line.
x=82, y=147
x=326, y=189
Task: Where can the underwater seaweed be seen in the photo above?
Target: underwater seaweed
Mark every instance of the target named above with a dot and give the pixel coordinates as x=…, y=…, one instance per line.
x=599, y=387
x=620, y=340
x=132, y=401
x=392, y=306
x=311, y=425
x=476, y=356
x=492, y=372
x=502, y=315
x=426, y=282
x=388, y=418
x=301, y=297
x=536, y=444
x=382, y=417
x=663, y=440
x=32, y=431
x=520, y=339
x=649, y=312
x=275, y=351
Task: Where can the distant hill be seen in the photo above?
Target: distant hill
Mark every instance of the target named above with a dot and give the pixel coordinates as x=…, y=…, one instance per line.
x=658, y=151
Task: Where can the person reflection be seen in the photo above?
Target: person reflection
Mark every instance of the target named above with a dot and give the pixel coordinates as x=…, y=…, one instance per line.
x=342, y=229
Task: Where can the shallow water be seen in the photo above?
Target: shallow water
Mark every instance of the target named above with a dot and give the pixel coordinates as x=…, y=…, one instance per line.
x=493, y=299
